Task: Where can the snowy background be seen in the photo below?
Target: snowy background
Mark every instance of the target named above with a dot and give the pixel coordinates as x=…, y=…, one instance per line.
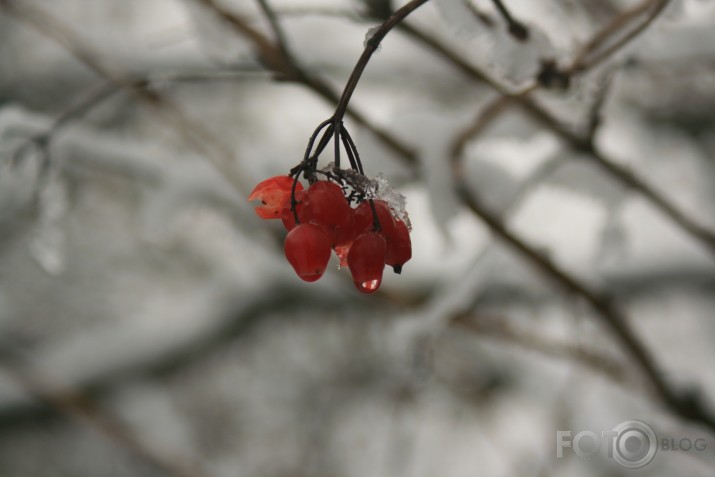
x=150, y=325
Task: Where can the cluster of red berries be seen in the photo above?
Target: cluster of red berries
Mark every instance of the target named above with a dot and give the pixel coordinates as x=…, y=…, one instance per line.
x=365, y=237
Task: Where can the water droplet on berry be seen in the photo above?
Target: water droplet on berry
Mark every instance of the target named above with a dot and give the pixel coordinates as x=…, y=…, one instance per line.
x=369, y=286
x=366, y=260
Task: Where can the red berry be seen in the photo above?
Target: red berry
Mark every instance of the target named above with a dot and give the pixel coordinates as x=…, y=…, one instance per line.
x=307, y=248
x=274, y=194
x=325, y=205
x=399, y=247
x=364, y=220
x=366, y=260
x=345, y=234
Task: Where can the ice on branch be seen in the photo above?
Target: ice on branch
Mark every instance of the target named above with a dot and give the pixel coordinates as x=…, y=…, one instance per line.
x=368, y=36
x=377, y=188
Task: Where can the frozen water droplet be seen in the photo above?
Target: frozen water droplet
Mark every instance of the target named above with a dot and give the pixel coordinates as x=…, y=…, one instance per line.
x=377, y=188
x=370, y=33
x=396, y=201
x=47, y=245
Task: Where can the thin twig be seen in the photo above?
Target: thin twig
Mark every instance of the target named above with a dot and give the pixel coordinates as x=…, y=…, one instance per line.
x=105, y=91
x=481, y=16
x=371, y=47
x=579, y=142
x=290, y=70
x=275, y=26
x=487, y=114
x=198, y=137
x=517, y=29
x=677, y=402
x=298, y=11
x=499, y=329
x=602, y=44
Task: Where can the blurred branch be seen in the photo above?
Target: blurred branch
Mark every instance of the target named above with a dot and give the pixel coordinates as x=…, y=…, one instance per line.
x=195, y=135
x=371, y=46
x=78, y=406
x=300, y=11
x=102, y=93
x=487, y=114
x=236, y=321
x=686, y=406
x=276, y=27
x=582, y=143
x=517, y=29
x=272, y=57
x=615, y=35
x=481, y=16
x=499, y=329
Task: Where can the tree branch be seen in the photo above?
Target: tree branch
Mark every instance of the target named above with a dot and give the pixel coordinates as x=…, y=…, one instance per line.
x=290, y=70
x=80, y=407
x=579, y=142
x=371, y=47
x=499, y=329
x=517, y=29
x=684, y=406
x=195, y=135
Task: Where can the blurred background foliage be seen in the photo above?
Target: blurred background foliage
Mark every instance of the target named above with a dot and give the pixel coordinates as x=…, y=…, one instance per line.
x=561, y=189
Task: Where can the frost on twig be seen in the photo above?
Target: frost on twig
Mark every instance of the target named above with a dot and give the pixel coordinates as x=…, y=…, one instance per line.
x=373, y=188
x=368, y=36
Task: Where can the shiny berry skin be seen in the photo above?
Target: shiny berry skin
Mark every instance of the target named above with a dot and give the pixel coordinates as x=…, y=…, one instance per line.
x=307, y=248
x=399, y=247
x=325, y=205
x=274, y=194
x=344, y=234
x=366, y=260
x=364, y=220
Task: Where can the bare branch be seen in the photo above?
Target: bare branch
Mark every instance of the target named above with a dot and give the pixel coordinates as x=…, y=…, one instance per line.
x=102, y=93
x=498, y=328
x=517, y=29
x=276, y=61
x=80, y=407
x=579, y=142
x=192, y=132
x=481, y=16
x=370, y=48
x=684, y=406
x=618, y=33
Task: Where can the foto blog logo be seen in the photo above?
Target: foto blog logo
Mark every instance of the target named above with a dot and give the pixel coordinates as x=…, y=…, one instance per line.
x=632, y=444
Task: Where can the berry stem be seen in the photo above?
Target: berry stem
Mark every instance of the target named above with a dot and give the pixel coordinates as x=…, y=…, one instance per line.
x=321, y=145
x=346, y=137
x=375, y=221
x=293, y=201
x=350, y=153
x=337, y=125
x=311, y=141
